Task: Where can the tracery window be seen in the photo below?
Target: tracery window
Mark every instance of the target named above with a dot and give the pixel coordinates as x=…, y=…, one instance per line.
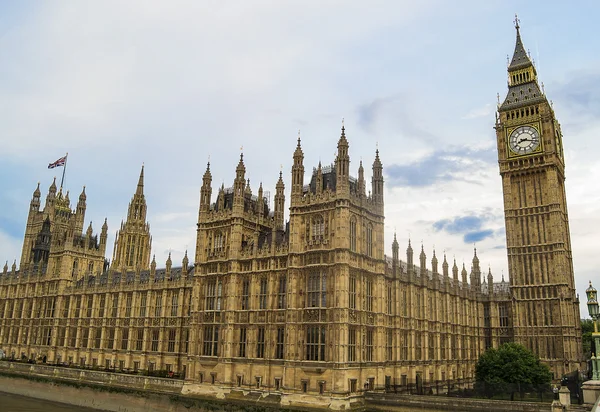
x=262, y=297
x=369, y=345
x=369, y=292
x=242, y=347
x=352, y=344
x=315, y=343
x=318, y=228
x=213, y=291
x=316, y=290
x=279, y=349
x=282, y=293
x=352, y=292
x=260, y=342
x=390, y=345
x=211, y=340
x=370, y=240
x=245, y=294
x=219, y=242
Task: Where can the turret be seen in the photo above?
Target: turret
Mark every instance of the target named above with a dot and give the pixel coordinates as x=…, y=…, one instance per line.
x=80, y=211
x=342, y=164
x=409, y=257
x=476, y=271
x=153, y=266
x=103, y=237
x=455, y=272
x=168, y=265
x=90, y=231
x=490, y=280
x=422, y=262
x=319, y=180
x=239, y=185
x=34, y=206
x=51, y=194
x=464, y=276
x=279, y=202
x=395, y=250
x=377, y=180
x=261, y=201
x=184, y=264
x=445, y=269
x=298, y=172
x=434, y=264
x=361, y=180
x=206, y=190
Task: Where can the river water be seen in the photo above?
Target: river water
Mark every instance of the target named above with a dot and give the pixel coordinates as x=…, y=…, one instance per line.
x=16, y=403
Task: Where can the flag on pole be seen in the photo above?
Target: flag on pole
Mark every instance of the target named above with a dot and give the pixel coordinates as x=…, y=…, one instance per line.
x=58, y=163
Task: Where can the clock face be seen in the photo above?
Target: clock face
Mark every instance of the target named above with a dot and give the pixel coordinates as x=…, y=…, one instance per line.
x=524, y=140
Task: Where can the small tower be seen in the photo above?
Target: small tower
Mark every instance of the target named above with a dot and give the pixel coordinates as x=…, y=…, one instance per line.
x=409, y=257
x=184, y=264
x=455, y=273
x=422, y=262
x=319, y=180
x=445, y=269
x=206, y=190
x=395, y=249
x=80, y=211
x=342, y=165
x=463, y=274
x=298, y=172
x=476, y=272
x=261, y=201
x=168, y=265
x=434, y=264
x=490, y=280
x=377, y=181
x=279, y=202
x=239, y=186
x=153, y=266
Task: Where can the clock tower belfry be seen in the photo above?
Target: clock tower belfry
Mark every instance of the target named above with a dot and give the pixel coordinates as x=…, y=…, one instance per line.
x=530, y=156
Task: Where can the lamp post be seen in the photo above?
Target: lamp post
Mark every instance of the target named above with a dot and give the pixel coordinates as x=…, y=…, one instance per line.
x=592, y=303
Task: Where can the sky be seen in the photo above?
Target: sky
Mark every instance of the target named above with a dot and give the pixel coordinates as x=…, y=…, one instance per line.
x=170, y=85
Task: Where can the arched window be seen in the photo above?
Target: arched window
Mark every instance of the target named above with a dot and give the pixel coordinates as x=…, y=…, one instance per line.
x=75, y=267
x=316, y=290
x=219, y=242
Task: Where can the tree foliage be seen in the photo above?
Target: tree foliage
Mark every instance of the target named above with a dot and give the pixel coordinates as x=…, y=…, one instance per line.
x=510, y=368
x=587, y=327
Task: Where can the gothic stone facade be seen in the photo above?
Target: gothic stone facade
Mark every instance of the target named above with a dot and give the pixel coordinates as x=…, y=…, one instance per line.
x=311, y=308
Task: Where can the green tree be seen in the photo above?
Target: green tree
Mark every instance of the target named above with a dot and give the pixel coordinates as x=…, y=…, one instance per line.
x=509, y=369
x=587, y=327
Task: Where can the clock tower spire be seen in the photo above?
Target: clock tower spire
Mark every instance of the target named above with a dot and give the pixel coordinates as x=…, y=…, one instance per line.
x=529, y=138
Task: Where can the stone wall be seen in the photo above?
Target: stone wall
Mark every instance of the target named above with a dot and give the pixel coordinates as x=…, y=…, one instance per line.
x=409, y=403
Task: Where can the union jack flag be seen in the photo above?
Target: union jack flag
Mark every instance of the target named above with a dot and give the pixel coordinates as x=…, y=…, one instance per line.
x=59, y=162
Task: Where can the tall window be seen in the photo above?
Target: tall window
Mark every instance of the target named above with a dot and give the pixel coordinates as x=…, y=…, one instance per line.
x=281, y=295
x=316, y=290
x=128, y=300
x=443, y=339
x=85, y=334
x=369, y=240
x=390, y=301
x=353, y=235
x=242, y=352
x=369, y=345
x=262, y=296
x=158, y=305
x=110, y=339
x=369, y=290
x=260, y=343
x=279, y=349
x=352, y=292
x=404, y=303
x=72, y=337
x=211, y=340
x=115, y=306
x=315, y=343
x=389, y=349
x=245, y=294
x=154, y=342
x=503, y=313
x=418, y=348
x=174, y=303
x=219, y=242
x=213, y=291
x=143, y=305
x=66, y=304
x=139, y=341
x=431, y=344
x=171, y=341
x=90, y=306
x=318, y=227
x=351, y=344
x=124, y=338
x=77, y=307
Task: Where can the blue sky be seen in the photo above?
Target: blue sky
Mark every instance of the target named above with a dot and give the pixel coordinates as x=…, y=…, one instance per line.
x=168, y=84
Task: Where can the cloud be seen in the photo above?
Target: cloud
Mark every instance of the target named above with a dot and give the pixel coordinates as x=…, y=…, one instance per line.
x=442, y=166
x=479, y=112
x=470, y=226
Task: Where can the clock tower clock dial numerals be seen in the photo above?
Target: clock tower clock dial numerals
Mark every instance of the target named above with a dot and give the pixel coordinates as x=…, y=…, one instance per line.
x=524, y=140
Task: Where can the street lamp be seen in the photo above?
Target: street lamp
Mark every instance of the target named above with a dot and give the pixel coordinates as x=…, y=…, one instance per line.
x=592, y=303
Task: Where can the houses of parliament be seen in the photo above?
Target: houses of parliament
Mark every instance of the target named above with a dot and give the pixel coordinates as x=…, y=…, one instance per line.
x=310, y=308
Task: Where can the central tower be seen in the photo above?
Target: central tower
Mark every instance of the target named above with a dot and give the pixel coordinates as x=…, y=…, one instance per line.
x=530, y=156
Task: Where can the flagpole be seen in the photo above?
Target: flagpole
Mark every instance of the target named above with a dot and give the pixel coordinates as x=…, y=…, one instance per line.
x=64, y=170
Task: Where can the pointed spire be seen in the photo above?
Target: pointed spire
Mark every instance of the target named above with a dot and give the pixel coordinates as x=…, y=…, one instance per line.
x=520, y=57
x=140, y=185
x=36, y=192
x=52, y=188
x=90, y=230
x=82, y=196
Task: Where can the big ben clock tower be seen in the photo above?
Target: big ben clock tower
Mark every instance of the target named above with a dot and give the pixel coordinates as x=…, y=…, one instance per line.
x=530, y=155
